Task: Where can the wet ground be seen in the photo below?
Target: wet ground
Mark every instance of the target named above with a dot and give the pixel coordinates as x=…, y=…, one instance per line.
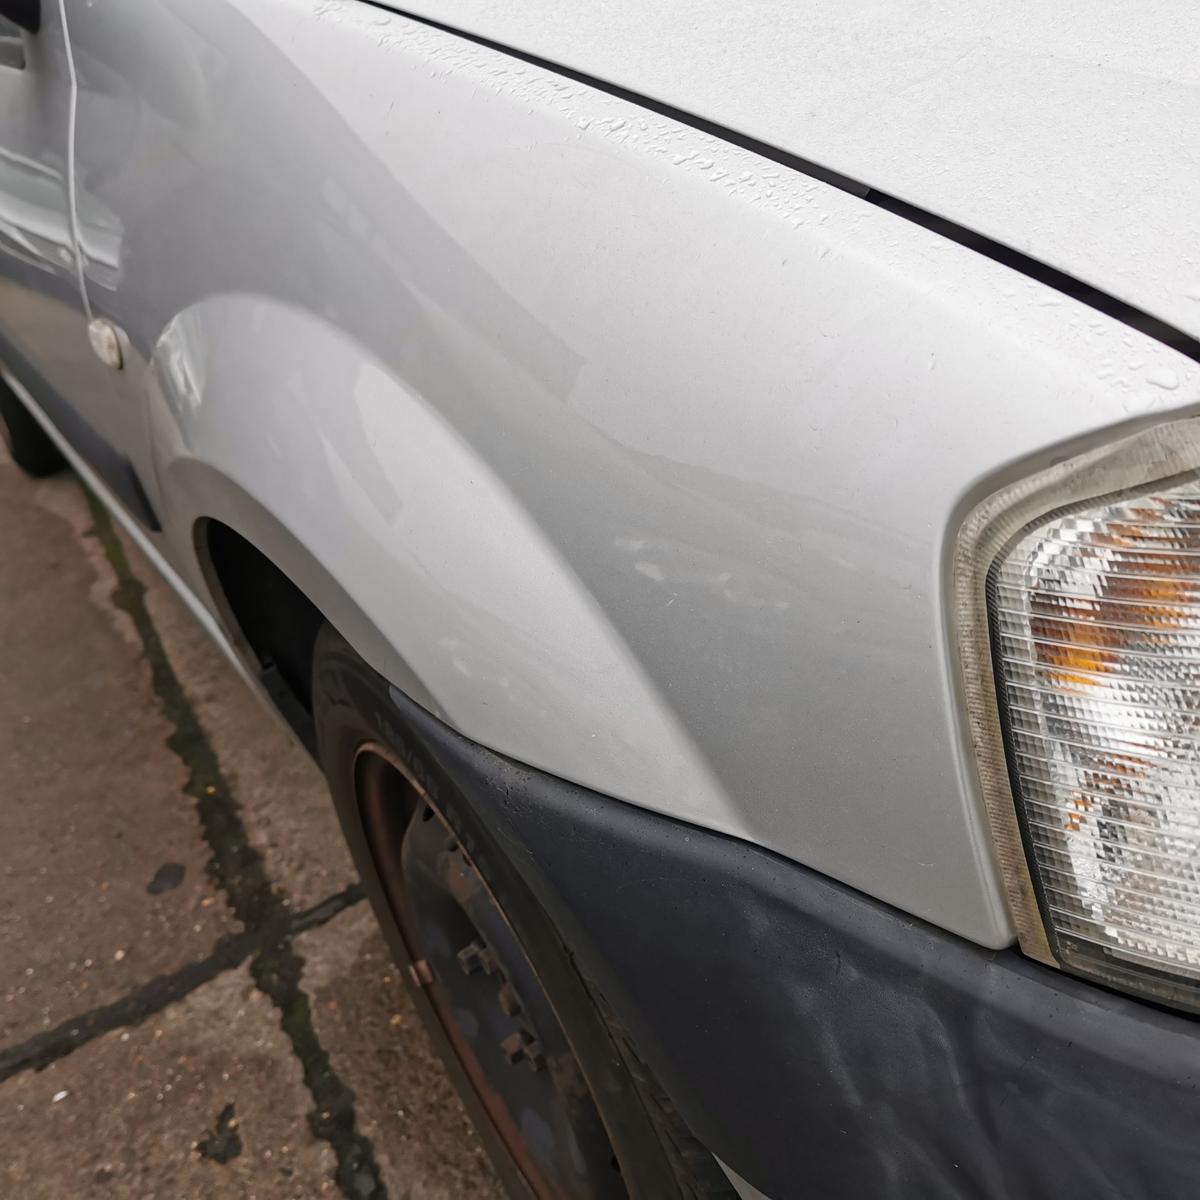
x=194, y=1000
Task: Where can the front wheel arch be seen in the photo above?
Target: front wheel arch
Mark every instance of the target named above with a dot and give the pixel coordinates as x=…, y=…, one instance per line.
x=353, y=709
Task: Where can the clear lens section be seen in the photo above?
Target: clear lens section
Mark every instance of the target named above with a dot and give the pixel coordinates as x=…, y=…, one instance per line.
x=1096, y=626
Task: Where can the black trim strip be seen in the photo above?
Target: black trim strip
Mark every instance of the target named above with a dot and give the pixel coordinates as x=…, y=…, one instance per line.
x=1024, y=264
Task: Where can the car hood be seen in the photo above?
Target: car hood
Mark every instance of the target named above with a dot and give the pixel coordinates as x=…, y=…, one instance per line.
x=1068, y=131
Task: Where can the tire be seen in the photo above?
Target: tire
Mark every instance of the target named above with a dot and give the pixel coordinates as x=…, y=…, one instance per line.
x=393, y=797
x=28, y=443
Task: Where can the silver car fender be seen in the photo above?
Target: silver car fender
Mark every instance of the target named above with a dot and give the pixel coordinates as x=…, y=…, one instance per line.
x=636, y=453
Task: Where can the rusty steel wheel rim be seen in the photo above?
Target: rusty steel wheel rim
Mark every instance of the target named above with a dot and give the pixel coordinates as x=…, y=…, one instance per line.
x=487, y=998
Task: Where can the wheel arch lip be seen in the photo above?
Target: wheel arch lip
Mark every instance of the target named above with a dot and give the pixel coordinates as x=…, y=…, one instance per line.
x=219, y=499
x=507, y=643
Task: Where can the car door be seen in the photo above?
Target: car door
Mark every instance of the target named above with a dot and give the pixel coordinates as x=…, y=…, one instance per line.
x=44, y=315
x=41, y=313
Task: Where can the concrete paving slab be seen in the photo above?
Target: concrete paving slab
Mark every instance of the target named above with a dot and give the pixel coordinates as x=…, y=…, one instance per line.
x=102, y=877
x=203, y=1100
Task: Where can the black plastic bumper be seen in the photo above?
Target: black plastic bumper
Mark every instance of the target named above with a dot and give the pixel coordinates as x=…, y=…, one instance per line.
x=824, y=1045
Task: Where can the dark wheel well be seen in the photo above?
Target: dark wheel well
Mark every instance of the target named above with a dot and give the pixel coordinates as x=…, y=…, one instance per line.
x=275, y=619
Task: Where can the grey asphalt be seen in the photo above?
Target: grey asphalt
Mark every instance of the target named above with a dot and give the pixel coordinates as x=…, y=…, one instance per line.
x=194, y=999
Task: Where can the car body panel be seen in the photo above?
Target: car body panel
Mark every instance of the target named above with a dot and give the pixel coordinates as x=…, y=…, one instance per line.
x=1067, y=131
x=629, y=452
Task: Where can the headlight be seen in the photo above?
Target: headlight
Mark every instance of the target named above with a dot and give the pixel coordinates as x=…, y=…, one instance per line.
x=1078, y=599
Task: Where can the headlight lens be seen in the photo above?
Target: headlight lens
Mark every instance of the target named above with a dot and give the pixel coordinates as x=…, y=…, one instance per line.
x=1096, y=620
x=1093, y=616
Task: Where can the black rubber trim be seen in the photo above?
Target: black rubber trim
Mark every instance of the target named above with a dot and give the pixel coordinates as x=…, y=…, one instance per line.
x=1024, y=264
x=109, y=463
x=825, y=1045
